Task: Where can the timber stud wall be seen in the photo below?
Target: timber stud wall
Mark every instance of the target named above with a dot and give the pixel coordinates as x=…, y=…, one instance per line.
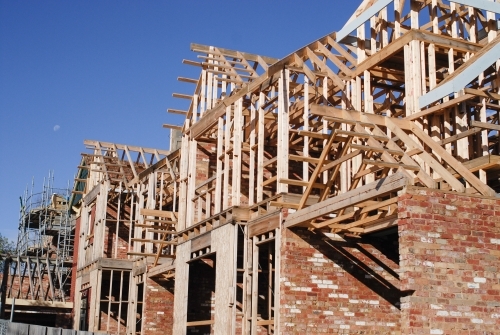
x=450, y=258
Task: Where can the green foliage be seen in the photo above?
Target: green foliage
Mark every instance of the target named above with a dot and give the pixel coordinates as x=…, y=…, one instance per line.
x=6, y=246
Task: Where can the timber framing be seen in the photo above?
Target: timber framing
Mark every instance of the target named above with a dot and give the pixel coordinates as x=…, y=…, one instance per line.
x=406, y=95
x=345, y=112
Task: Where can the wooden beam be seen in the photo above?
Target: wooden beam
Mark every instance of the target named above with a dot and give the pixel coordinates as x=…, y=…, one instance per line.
x=378, y=188
x=466, y=133
x=156, y=212
x=485, y=125
x=172, y=126
x=232, y=53
x=453, y=163
x=334, y=223
x=161, y=269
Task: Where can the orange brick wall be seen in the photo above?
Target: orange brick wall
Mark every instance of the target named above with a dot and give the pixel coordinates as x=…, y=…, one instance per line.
x=450, y=260
x=158, y=307
x=334, y=287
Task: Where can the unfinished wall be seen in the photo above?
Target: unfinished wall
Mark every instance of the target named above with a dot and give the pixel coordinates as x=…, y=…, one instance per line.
x=223, y=243
x=158, y=317
x=181, y=287
x=347, y=287
x=450, y=256
x=116, y=247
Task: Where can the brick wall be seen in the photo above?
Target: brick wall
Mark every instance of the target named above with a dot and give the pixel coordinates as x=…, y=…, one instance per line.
x=75, y=258
x=159, y=307
x=450, y=260
x=338, y=287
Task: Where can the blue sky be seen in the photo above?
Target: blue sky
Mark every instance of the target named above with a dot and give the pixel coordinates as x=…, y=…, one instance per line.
x=106, y=70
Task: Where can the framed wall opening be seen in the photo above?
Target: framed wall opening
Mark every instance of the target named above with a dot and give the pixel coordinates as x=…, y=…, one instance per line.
x=201, y=295
x=263, y=290
x=114, y=301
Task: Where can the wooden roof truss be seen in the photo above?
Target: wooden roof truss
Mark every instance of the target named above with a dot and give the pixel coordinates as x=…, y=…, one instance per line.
x=406, y=90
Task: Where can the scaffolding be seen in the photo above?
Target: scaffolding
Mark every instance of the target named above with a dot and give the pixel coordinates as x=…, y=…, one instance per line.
x=45, y=245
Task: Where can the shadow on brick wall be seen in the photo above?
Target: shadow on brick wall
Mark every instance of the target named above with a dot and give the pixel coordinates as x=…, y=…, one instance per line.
x=371, y=261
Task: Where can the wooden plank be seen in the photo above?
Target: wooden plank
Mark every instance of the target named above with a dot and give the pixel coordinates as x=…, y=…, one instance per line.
x=156, y=212
x=270, y=180
x=453, y=163
x=162, y=227
x=440, y=107
x=375, y=149
x=466, y=133
x=201, y=242
x=200, y=323
x=172, y=126
x=317, y=170
x=446, y=41
x=323, y=67
x=145, y=254
x=110, y=263
x=378, y=120
x=378, y=188
x=481, y=93
x=264, y=224
x=232, y=53
x=299, y=183
x=391, y=165
x=313, y=134
x=382, y=223
x=305, y=159
x=334, y=223
x=340, y=160
x=295, y=198
x=412, y=145
x=280, y=204
x=182, y=96
x=265, y=322
x=147, y=240
x=93, y=143
x=187, y=80
x=480, y=163
x=177, y=111
x=39, y=303
x=485, y=125
x=160, y=269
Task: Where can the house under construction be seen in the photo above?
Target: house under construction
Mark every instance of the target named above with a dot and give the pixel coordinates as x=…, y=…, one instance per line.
x=349, y=187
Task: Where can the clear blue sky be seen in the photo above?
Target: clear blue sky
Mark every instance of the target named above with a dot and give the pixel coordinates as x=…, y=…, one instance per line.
x=106, y=70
